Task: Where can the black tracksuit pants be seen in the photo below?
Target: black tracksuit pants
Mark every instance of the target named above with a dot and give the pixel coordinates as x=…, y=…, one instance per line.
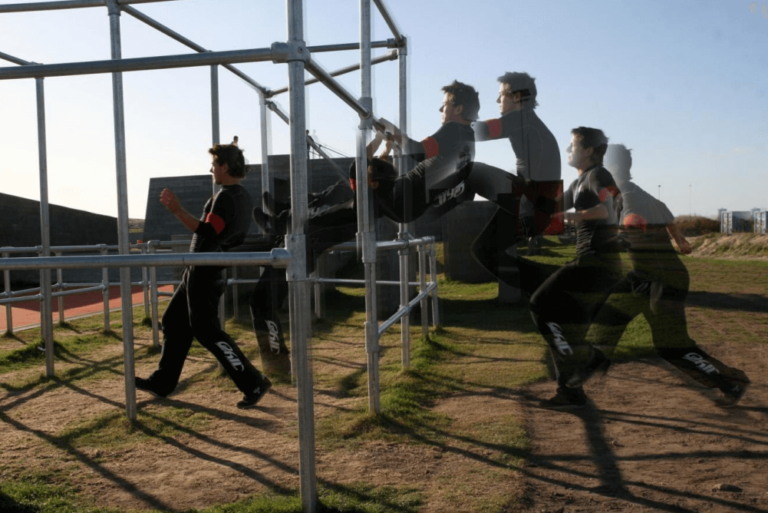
x=657, y=289
x=193, y=313
x=564, y=306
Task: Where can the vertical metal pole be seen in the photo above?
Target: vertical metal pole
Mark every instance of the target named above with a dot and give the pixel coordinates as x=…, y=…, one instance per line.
x=215, y=104
x=369, y=235
x=59, y=281
x=433, y=271
x=222, y=304
x=145, y=284
x=404, y=228
x=423, y=285
x=235, y=298
x=266, y=132
x=152, y=248
x=105, y=289
x=8, y=307
x=297, y=274
x=46, y=308
x=122, y=212
x=320, y=267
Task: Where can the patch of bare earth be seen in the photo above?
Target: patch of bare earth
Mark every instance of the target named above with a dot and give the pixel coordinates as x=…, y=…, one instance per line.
x=233, y=453
x=650, y=441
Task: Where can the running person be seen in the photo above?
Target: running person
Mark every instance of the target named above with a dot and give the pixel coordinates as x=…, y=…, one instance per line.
x=565, y=304
x=193, y=310
x=657, y=286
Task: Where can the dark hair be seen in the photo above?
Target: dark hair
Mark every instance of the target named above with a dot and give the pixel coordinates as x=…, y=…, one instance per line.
x=524, y=84
x=232, y=156
x=618, y=160
x=592, y=138
x=465, y=95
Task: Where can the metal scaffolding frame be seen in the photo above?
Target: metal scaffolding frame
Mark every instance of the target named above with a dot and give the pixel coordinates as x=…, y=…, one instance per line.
x=298, y=57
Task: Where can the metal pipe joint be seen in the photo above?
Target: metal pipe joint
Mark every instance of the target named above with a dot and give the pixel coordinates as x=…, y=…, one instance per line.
x=296, y=244
x=289, y=52
x=113, y=7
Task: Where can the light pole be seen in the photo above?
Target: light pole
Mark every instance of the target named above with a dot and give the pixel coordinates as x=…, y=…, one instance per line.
x=659, y=193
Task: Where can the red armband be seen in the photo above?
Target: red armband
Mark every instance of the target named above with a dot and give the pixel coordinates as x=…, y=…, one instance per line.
x=494, y=128
x=431, y=148
x=613, y=191
x=353, y=184
x=635, y=221
x=215, y=221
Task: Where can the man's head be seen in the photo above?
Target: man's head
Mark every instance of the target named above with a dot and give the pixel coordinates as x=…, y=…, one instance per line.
x=460, y=103
x=587, y=147
x=516, y=91
x=228, y=163
x=618, y=160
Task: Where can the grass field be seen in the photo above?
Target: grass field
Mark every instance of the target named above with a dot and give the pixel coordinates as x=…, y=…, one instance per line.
x=452, y=435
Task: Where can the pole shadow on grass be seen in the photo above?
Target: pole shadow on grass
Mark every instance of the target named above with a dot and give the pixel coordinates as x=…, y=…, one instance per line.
x=752, y=303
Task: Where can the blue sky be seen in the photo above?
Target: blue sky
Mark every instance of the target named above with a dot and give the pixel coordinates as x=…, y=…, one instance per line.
x=682, y=83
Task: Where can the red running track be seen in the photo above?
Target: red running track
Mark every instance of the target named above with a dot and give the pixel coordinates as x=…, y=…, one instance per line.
x=27, y=314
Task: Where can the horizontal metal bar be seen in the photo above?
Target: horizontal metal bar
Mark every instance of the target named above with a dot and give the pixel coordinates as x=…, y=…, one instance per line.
x=72, y=292
x=389, y=20
x=161, y=293
x=335, y=87
x=403, y=311
x=389, y=56
x=16, y=293
x=389, y=43
x=22, y=299
x=8, y=249
x=15, y=60
x=191, y=44
x=278, y=257
x=282, y=115
x=67, y=4
x=342, y=281
x=136, y=64
x=385, y=245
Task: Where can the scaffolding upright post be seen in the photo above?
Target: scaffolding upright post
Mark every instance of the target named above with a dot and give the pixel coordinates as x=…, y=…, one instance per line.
x=152, y=249
x=59, y=282
x=105, y=291
x=423, y=285
x=46, y=306
x=369, y=235
x=145, y=285
x=8, y=307
x=296, y=274
x=122, y=211
x=404, y=228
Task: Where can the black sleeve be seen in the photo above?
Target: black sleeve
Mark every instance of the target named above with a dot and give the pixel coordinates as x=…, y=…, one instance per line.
x=222, y=213
x=404, y=200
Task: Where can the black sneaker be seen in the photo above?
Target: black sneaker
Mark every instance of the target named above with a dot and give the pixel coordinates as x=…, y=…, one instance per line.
x=147, y=386
x=274, y=207
x=567, y=398
x=734, y=388
x=250, y=400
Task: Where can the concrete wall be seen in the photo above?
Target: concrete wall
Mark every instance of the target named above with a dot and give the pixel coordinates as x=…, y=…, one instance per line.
x=20, y=227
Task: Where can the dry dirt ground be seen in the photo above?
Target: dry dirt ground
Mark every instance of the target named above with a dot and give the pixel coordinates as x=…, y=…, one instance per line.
x=647, y=441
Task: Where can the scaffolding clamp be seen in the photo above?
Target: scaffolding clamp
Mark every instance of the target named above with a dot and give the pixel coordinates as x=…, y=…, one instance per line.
x=296, y=244
x=402, y=48
x=113, y=7
x=289, y=52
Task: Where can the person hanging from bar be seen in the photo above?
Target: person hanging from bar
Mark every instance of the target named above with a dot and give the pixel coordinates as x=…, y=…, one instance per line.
x=657, y=287
x=193, y=310
x=439, y=180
